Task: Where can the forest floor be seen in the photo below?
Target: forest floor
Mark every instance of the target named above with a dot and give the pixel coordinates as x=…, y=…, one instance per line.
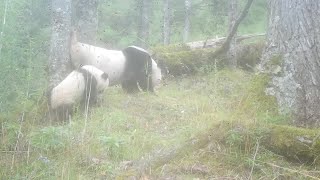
x=126, y=129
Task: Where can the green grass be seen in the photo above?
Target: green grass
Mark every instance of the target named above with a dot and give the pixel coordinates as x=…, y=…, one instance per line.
x=126, y=127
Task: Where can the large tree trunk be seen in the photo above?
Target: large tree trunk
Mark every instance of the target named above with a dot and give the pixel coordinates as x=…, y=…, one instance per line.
x=232, y=13
x=86, y=20
x=59, y=63
x=186, y=31
x=292, y=56
x=166, y=22
x=144, y=25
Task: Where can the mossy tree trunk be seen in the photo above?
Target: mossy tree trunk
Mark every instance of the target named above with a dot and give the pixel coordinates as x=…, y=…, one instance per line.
x=59, y=63
x=145, y=7
x=232, y=13
x=292, y=55
x=186, y=30
x=166, y=21
x=86, y=20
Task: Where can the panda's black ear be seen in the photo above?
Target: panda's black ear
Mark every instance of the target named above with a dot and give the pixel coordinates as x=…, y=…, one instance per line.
x=104, y=76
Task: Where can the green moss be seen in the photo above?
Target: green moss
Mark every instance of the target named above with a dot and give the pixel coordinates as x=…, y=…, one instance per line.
x=249, y=55
x=180, y=59
x=186, y=62
x=276, y=60
x=298, y=144
x=170, y=48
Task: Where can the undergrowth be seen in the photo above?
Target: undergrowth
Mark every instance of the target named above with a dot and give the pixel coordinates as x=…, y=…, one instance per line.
x=124, y=128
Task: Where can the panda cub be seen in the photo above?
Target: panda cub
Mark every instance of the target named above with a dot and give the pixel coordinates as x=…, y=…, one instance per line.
x=81, y=85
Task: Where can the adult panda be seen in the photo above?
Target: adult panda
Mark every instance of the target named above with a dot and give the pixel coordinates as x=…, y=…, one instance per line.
x=81, y=85
x=129, y=67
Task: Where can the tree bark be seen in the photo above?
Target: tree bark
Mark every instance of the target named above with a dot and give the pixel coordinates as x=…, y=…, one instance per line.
x=186, y=31
x=86, y=20
x=59, y=60
x=144, y=25
x=166, y=22
x=232, y=13
x=292, y=56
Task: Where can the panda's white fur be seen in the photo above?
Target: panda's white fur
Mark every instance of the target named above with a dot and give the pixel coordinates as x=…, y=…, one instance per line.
x=74, y=87
x=69, y=91
x=102, y=83
x=113, y=62
x=156, y=74
x=110, y=61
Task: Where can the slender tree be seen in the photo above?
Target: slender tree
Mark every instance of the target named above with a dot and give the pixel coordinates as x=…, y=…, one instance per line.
x=86, y=19
x=166, y=21
x=232, y=13
x=292, y=57
x=59, y=64
x=186, y=31
x=144, y=24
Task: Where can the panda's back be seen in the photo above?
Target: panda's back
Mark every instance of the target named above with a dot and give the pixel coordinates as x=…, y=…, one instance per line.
x=111, y=62
x=69, y=90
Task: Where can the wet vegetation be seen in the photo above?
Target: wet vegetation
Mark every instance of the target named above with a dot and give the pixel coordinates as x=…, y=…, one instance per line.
x=205, y=122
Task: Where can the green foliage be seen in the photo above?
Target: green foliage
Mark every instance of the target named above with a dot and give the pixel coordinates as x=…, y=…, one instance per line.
x=23, y=54
x=112, y=146
x=126, y=128
x=9, y=131
x=249, y=55
x=50, y=138
x=118, y=22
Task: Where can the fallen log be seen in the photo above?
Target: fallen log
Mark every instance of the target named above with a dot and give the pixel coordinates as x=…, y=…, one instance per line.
x=296, y=144
x=217, y=42
x=182, y=60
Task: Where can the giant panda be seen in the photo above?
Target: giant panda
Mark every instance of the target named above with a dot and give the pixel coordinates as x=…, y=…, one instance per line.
x=81, y=85
x=129, y=67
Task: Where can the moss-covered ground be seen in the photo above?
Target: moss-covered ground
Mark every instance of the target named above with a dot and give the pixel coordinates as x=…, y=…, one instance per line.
x=126, y=128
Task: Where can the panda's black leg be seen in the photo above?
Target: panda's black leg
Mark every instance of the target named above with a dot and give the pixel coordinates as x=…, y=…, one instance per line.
x=130, y=86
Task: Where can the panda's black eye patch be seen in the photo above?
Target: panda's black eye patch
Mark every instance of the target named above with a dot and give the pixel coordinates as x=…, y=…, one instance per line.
x=104, y=76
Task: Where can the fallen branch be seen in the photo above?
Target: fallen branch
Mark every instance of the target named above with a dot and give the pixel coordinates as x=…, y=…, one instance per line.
x=216, y=42
x=296, y=144
x=291, y=170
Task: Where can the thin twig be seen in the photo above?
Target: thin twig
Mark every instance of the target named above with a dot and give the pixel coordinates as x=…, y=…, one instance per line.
x=291, y=170
x=254, y=159
x=17, y=142
x=3, y=25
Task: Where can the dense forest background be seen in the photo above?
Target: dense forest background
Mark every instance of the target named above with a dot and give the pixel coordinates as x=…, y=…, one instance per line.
x=229, y=108
x=26, y=27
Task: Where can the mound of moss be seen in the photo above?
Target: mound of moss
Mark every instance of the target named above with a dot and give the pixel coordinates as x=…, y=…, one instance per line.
x=180, y=59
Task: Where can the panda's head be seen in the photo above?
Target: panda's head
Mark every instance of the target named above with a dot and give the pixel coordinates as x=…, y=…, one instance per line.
x=101, y=77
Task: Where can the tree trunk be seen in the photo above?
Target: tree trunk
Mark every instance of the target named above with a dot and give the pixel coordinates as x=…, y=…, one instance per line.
x=186, y=30
x=166, y=22
x=292, y=56
x=86, y=20
x=232, y=13
x=59, y=61
x=144, y=26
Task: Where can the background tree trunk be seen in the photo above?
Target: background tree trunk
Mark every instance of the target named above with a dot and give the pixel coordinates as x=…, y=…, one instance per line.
x=86, y=20
x=292, y=57
x=187, y=4
x=232, y=13
x=59, y=63
x=166, y=22
x=144, y=25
